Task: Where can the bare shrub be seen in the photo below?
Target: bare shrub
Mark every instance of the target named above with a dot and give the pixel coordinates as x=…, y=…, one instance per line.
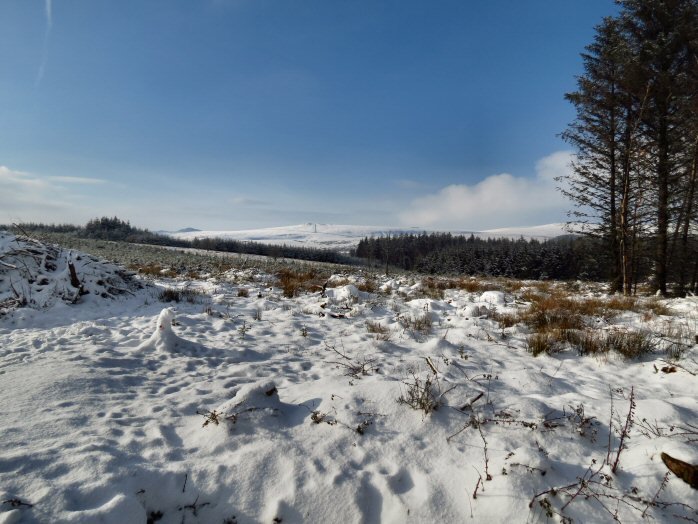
x=381, y=332
x=422, y=395
x=419, y=324
x=354, y=367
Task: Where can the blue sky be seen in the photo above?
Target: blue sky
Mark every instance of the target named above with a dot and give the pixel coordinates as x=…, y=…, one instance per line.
x=233, y=114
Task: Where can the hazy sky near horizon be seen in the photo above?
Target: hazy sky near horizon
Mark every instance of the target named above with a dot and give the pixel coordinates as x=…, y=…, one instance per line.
x=233, y=114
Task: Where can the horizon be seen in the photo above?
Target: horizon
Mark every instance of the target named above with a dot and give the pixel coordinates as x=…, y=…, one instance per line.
x=234, y=115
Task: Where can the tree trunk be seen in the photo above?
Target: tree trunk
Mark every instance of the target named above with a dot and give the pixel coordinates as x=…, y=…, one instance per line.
x=660, y=268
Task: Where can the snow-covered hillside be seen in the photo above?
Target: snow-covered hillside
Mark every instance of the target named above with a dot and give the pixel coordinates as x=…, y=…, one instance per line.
x=377, y=400
x=323, y=236
x=346, y=237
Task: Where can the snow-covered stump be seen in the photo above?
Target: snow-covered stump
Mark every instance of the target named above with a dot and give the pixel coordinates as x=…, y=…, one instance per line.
x=163, y=338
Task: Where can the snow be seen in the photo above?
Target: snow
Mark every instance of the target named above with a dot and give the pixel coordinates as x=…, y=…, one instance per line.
x=346, y=237
x=496, y=298
x=250, y=409
x=541, y=232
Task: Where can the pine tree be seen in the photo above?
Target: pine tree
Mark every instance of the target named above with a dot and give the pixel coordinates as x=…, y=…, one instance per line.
x=635, y=132
x=663, y=37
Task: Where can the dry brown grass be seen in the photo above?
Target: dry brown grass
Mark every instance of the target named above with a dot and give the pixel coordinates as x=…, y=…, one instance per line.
x=180, y=295
x=630, y=344
x=506, y=319
x=559, y=320
x=295, y=281
x=509, y=285
x=368, y=285
x=590, y=342
x=549, y=341
x=553, y=312
x=656, y=307
x=434, y=289
x=338, y=282
x=154, y=270
x=472, y=285
x=541, y=342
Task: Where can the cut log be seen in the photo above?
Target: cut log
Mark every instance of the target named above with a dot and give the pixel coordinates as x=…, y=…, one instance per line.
x=74, y=280
x=685, y=471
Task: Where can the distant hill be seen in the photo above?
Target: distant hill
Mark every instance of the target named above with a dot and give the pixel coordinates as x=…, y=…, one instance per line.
x=172, y=233
x=346, y=237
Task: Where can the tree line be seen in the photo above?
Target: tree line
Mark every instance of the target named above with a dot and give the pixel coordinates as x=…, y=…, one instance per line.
x=633, y=183
x=566, y=257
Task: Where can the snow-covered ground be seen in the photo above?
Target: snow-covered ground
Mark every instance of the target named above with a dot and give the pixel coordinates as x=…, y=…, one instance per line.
x=346, y=237
x=242, y=405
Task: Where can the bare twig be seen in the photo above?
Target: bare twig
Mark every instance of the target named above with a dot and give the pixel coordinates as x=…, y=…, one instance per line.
x=662, y=485
x=431, y=365
x=625, y=432
x=479, y=483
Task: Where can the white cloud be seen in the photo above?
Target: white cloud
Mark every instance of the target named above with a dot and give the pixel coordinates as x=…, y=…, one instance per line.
x=497, y=201
x=552, y=166
x=30, y=197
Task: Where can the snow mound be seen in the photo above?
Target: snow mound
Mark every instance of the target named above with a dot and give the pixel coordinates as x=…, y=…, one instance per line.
x=473, y=310
x=38, y=275
x=261, y=394
x=496, y=298
x=345, y=294
x=258, y=403
x=118, y=509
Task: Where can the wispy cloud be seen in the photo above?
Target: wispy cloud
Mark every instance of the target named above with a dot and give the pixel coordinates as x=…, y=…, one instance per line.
x=49, y=13
x=497, y=201
x=27, y=196
x=77, y=180
x=48, y=10
x=405, y=183
x=248, y=202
